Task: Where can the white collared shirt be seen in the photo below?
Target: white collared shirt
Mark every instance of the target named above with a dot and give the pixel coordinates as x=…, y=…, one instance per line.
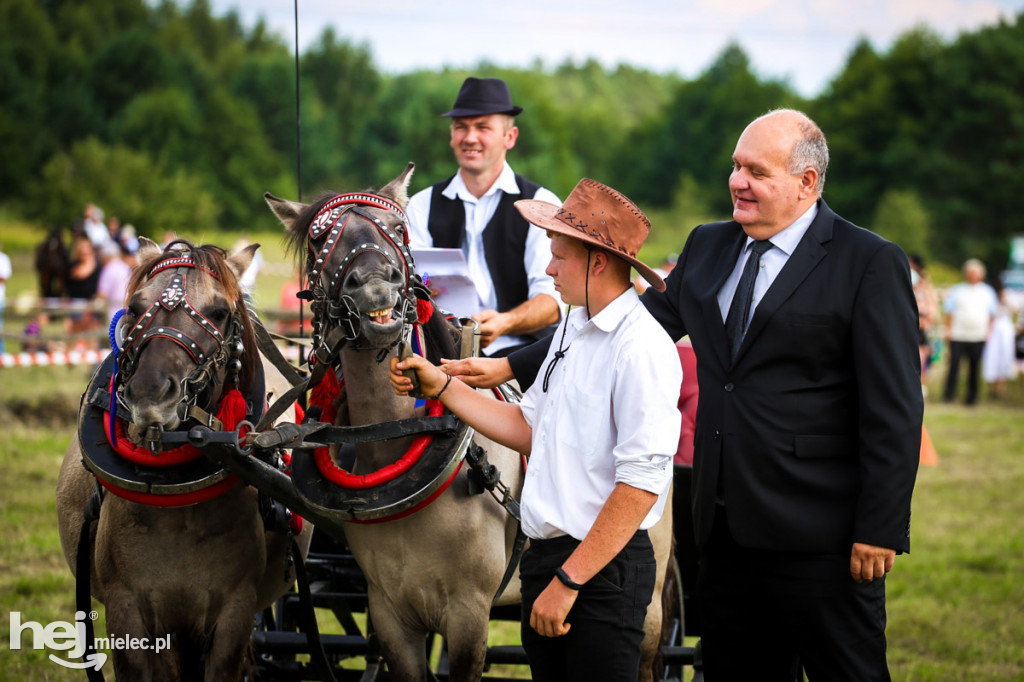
x=609, y=416
x=772, y=262
x=478, y=214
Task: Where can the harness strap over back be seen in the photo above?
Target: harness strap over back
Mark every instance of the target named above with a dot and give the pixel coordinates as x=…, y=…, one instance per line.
x=83, y=578
x=273, y=353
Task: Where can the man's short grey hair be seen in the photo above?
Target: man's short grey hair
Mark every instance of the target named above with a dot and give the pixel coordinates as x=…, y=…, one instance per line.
x=810, y=150
x=975, y=264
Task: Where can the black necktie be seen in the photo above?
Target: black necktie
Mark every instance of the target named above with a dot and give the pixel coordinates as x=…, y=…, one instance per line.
x=739, y=310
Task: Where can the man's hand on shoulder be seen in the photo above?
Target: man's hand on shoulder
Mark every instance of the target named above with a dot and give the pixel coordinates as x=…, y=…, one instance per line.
x=868, y=562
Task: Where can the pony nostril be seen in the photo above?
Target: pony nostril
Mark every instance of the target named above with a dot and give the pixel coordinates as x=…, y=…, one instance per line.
x=170, y=388
x=353, y=280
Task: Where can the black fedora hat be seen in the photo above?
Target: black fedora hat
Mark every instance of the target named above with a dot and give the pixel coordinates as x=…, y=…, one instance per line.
x=482, y=96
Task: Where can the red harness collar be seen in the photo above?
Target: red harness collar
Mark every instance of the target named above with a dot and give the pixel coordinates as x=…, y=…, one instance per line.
x=231, y=413
x=325, y=396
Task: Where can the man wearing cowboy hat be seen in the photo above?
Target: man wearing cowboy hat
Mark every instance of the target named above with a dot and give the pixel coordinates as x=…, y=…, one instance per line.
x=473, y=210
x=601, y=429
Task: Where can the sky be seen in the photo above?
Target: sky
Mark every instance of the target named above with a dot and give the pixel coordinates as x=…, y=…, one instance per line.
x=805, y=42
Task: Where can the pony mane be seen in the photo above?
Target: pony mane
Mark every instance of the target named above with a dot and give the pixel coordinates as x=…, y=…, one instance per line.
x=211, y=258
x=443, y=337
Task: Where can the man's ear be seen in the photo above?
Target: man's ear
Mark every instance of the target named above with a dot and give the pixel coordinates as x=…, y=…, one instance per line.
x=511, y=135
x=808, y=181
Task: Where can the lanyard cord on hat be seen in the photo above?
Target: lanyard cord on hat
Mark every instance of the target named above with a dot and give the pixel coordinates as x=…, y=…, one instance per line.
x=560, y=353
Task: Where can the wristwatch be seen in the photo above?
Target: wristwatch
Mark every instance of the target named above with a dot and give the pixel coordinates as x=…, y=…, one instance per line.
x=566, y=580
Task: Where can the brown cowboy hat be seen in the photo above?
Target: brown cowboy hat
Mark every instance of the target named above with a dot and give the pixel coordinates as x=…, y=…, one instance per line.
x=598, y=215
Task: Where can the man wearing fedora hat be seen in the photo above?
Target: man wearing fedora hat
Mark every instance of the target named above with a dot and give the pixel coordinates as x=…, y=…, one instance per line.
x=473, y=210
x=601, y=430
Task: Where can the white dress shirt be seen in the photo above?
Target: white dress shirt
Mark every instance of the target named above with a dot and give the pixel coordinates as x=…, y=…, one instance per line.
x=609, y=416
x=478, y=214
x=772, y=262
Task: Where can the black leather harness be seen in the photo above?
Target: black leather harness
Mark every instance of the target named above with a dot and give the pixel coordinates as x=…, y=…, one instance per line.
x=117, y=472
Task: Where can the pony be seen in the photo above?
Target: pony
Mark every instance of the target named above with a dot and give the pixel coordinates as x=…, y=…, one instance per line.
x=436, y=570
x=180, y=549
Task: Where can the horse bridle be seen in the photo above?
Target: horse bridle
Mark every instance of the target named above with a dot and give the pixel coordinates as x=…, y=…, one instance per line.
x=331, y=309
x=203, y=341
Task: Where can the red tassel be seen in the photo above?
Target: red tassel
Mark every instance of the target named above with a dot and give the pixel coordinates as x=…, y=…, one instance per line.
x=424, y=310
x=300, y=414
x=295, y=523
x=232, y=409
x=324, y=396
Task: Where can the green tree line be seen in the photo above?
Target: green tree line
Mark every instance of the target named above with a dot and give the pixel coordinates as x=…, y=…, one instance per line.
x=173, y=118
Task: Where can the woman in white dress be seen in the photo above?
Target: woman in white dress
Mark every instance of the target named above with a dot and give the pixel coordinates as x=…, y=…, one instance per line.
x=998, y=361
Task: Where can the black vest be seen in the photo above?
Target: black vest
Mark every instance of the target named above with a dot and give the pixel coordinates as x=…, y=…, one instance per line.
x=504, y=238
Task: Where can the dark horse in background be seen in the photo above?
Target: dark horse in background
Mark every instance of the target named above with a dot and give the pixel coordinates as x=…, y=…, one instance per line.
x=52, y=263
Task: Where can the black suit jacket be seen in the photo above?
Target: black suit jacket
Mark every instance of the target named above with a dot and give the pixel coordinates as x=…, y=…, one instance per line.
x=815, y=429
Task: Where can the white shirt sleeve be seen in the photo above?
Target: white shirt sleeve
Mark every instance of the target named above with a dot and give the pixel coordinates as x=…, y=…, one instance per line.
x=645, y=395
x=418, y=213
x=538, y=253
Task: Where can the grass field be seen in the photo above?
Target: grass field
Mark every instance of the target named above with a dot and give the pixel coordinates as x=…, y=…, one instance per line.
x=956, y=603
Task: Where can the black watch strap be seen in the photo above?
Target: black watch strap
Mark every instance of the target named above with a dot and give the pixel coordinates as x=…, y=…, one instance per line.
x=566, y=580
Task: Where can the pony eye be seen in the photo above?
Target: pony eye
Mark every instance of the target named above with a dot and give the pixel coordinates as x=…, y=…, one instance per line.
x=219, y=315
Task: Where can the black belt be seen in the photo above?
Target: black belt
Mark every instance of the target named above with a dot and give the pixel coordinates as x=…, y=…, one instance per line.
x=565, y=543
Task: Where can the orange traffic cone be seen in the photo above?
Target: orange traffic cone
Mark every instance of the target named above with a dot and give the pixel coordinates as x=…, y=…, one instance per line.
x=928, y=455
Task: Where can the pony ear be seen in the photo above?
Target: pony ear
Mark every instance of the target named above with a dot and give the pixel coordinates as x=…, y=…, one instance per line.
x=148, y=250
x=240, y=261
x=397, y=189
x=286, y=211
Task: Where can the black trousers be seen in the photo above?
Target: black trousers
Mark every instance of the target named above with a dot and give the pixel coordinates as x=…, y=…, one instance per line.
x=762, y=612
x=972, y=351
x=607, y=618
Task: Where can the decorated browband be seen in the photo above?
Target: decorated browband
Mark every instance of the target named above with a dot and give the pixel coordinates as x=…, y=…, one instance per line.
x=332, y=210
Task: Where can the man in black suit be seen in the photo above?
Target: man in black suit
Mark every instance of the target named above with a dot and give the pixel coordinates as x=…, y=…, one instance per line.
x=809, y=420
